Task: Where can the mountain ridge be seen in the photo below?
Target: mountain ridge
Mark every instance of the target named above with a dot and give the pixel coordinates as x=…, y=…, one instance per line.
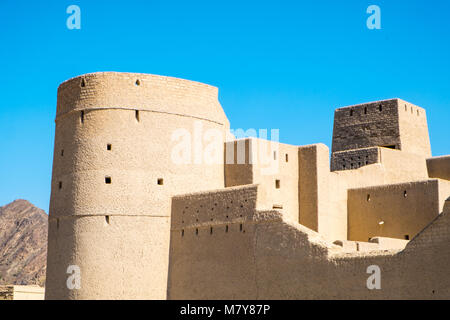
x=23, y=243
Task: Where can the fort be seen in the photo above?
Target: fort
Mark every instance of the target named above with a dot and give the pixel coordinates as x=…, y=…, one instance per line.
x=140, y=225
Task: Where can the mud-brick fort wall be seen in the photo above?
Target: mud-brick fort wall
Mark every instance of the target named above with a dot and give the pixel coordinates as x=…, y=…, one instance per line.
x=272, y=165
x=397, y=211
x=246, y=253
x=114, y=175
x=393, y=123
x=439, y=167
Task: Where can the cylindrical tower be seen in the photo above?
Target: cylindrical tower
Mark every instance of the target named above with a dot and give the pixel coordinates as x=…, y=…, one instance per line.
x=114, y=175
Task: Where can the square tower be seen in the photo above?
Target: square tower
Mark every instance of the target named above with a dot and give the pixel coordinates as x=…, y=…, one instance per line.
x=393, y=123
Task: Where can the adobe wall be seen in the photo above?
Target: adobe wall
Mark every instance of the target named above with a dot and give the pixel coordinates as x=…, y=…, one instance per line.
x=140, y=91
x=278, y=259
x=407, y=274
x=272, y=165
x=439, y=167
x=320, y=209
x=114, y=172
x=413, y=129
x=323, y=193
x=396, y=211
x=309, y=193
x=392, y=123
x=366, y=125
x=354, y=159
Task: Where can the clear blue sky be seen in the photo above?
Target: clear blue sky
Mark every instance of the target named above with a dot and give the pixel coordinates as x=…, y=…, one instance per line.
x=278, y=64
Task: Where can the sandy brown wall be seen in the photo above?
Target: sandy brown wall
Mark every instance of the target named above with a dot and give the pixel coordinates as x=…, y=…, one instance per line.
x=395, y=211
x=113, y=163
x=272, y=165
x=275, y=259
x=413, y=129
x=439, y=167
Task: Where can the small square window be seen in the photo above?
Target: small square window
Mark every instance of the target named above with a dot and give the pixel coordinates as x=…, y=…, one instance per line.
x=108, y=180
x=160, y=181
x=108, y=147
x=277, y=184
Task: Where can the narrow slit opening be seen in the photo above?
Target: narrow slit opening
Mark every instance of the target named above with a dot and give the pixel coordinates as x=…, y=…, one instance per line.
x=277, y=184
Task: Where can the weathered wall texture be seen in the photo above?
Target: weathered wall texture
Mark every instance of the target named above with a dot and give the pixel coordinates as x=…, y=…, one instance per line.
x=439, y=167
x=271, y=258
x=396, y=211
x=272, y=165
x=391, y=123
x=323, y=194
x=413, y=129
x=114, y=175
x=145, y=218
x=354, y=159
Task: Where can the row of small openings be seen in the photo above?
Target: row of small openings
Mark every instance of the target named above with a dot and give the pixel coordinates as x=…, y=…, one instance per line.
x=380, y=108
x=275, y=156
x=212, y=209
x=108, y=180
x=83, y=83
x=405, y=195
x=412, y=111
x=354, y=166
x=136, y=114
x=241, y=229
x=360, y=163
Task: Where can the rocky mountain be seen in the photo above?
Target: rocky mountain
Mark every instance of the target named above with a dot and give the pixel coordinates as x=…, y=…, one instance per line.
x=23, y=244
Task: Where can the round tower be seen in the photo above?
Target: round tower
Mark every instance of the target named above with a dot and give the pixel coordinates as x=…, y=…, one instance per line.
x=114, y=173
